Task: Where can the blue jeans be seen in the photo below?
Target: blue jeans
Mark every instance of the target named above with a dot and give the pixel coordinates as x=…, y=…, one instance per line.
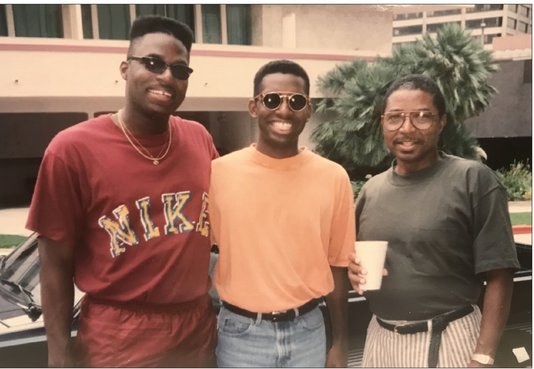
x=244, y=342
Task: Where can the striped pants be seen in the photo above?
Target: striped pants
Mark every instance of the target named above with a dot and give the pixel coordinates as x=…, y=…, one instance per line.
x=384, y=348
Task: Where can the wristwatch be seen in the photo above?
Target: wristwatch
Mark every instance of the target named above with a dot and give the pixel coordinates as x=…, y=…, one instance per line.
x=483, y=359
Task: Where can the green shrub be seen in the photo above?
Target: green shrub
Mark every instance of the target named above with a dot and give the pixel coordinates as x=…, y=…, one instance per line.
x=517, y=179
x=356, y=187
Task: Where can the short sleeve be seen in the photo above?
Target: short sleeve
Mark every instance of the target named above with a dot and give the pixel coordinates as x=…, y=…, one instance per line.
x=343, y=230
x=493, y=246
x=56, y=207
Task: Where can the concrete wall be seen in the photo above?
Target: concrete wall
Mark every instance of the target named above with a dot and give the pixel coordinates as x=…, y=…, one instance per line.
x=325, y=27
x=67, y=75
x=510, y=112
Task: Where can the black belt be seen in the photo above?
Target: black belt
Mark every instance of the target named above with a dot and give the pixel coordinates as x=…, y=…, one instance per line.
x=439, y=323
x=275, y=316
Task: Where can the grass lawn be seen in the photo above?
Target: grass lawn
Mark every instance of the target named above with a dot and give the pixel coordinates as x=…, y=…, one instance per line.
x=521, y=218
x=8, y=240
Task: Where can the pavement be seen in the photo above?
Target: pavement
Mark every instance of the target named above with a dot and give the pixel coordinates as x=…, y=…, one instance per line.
x=522, y=233
x=12, y=221
x=520, y=206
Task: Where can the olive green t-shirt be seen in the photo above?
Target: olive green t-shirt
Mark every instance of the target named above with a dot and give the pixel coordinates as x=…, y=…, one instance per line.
x=445, y=225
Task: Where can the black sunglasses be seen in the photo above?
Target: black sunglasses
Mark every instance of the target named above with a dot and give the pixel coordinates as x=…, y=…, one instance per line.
x=158, y=66
x=273, y=100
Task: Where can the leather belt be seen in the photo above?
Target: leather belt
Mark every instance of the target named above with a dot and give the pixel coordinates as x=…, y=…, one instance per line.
x=436, y=325
x=275, y=316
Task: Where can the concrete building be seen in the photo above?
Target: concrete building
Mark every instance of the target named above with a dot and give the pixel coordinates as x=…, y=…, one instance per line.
x=61, y=66
x=504, y=129
x=487, y=21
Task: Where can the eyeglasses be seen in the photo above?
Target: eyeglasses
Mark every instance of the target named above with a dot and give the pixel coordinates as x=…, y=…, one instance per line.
x=273, y=100
x=158, y=66
x=419, y=119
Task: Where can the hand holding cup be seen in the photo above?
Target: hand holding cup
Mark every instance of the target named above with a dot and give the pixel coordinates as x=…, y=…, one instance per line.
x=366, y=266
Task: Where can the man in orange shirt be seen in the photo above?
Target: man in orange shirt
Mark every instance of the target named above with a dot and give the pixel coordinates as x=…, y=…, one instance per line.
x=283, y=219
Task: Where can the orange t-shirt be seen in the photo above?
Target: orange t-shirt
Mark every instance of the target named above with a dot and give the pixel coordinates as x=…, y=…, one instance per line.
x=279, y=224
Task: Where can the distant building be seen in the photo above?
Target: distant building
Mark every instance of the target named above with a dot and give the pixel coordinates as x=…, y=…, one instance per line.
x=504, y=129
x=483, y=20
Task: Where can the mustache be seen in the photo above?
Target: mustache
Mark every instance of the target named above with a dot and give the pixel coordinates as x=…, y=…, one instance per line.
x=400, y=139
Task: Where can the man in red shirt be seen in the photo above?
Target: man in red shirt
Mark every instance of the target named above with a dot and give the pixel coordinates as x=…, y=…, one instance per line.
x=121, y=209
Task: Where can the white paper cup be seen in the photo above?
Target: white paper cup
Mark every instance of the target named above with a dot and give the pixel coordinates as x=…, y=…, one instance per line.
x=372, y=255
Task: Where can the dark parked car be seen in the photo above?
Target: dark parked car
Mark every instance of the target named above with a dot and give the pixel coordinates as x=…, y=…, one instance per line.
x=23, y=339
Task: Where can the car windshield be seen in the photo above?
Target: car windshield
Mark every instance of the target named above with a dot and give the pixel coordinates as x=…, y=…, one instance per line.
x=20, y=270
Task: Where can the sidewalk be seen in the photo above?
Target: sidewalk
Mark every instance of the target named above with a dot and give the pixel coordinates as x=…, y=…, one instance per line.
x=520, y=206
x=12, y=221
x=522, y=233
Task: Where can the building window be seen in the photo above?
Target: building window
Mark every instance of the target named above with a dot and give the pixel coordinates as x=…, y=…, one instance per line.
x=411, y=30
x=36, y=20
x=211, y=24
x=484, y=8
x=522, y=27
x=238, y=24
x=493, y=22
x=406, y=16
x=113, y=21
x=431, y=28
x=523, y=10
x=183, y=12
x=511, y=23
x=3, y=20
x=490, y=22
x=399, y=45
x=87, y=24
x=512, y=8
x=443, y=13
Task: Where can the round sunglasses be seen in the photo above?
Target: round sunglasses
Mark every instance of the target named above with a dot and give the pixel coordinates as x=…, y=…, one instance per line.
x=273, y=100
x=158, y=66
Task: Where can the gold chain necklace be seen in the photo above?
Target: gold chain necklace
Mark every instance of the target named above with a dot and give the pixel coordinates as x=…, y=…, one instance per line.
x=146, y=154
x=132, y=136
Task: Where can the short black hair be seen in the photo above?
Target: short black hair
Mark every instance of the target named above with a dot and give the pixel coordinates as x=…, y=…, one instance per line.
x=281, y=66
x=417, y=82
x=158, y=24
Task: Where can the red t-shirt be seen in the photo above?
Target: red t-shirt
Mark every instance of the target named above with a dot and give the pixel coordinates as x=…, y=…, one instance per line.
x=140, y=230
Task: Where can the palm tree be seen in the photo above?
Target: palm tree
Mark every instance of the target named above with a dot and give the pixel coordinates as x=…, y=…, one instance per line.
x=351, y=133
